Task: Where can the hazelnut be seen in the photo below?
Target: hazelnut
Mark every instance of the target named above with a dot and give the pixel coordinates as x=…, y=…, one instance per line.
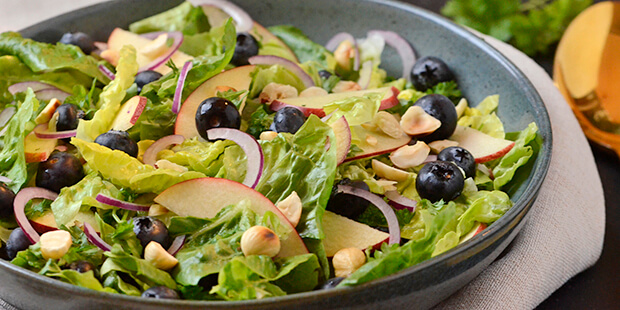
x=371, y=140
x=348, y=260
x=55, y=244
x=291, y=208
x=417, y=122
x=268, y=135
x=409, y=156
x=313, y=91
x=344, y=53
x=260, y=240
x=387, y=185
x=384, y=171
x=344, y=86
x=155, y=254
x=388, y=124
x=438, y=145
x=275, y=91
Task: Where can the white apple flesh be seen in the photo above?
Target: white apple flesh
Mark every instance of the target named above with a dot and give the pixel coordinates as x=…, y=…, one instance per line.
x=382, y=143
x=46, y=222
x=236, y=78
x=37, y=149
x=482, y=146
x=341, y=232
x=129, y=113
x=205, y=197
x=478, y=228
x=343, y=138
x=314, y=105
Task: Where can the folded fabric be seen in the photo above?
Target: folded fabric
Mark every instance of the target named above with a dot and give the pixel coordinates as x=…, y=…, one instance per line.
x=563, y=234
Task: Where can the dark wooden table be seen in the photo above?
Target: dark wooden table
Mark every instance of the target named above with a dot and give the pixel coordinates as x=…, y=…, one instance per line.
x=599, y=286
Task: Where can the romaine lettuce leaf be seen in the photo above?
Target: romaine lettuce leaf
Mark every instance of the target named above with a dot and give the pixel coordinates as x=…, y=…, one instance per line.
x=273, y=74
x=126, y=171
x=185, y=18
x=304, y=48
x=111, y=97
x=143, y=272
x=357, y=110
x=196, y=155
x=515, y=158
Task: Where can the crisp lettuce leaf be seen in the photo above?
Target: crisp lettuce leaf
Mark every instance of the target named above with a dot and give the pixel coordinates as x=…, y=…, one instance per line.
x=257, y=277
x=357, y=110
x=304, y=48
x=143, y=272
x=516, y=157
x=44, y=57
x=113, y=280
x=483, y=118
x=273, y=74
x=111, y=97
x=197, y=155
x=156, y=121
x=126, y=171
x=484, y=207
x=12, y=157
x=185, y=18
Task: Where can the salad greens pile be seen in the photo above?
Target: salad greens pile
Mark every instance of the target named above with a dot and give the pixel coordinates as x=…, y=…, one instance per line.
x=211, y=263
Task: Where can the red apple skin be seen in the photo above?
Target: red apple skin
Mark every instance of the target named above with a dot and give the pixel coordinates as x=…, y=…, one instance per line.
x=129, y=113
x=390, y=101
x=482, y=146
x=277, y=105
x=497, y=155
x=343, y=138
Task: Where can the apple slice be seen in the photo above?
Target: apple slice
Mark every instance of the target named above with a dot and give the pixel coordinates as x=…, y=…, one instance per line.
x=482, y=146
x=205, y=197
x=129, y=113
x=479, y=227
x=46, y=221
x=236, y=78
x=119, y=37
x=36, y=149
x=314, y=105
x=341, y=232
x=373, y=142
x=47, y=112
x=343, y=138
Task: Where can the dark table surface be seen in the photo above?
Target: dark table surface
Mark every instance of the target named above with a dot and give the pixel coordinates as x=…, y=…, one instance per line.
x=599, y=286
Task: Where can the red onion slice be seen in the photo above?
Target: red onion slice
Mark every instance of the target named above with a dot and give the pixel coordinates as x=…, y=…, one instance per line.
x=94, y=238
x=42, y=132
x=35, y=85
x=430, y=158
x=178, y=93
x=365, y=74
x=51, y=93
x=249, y=145
x=178, y=40
x=106, y=72
x=121, y=204
x=176, y=245
x=388, y=212
x=5, y=115
x=150, y=155
x=402, y=46
x=242, y=19
x=21, y=199
x=289, y=65
x=400, y=202
x=333, y=43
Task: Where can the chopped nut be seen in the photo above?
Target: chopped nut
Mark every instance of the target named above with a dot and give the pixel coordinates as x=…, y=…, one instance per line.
x=388, y=124
x=410, y=156
x=260, y=240
x=388, y=185
x=166, y=164
x=348, y=260
x=275, y=91
x=371, y=140
x=461, y=107
x=344, y=86
x=157, y=209
x=384, y=171
x=55, y=244
x=438, y=145
x=155, y=47
x=291, y=208
x=312, y=92
x=155, y=254
x=268, y=135
x=417, y=122
x=344, y=53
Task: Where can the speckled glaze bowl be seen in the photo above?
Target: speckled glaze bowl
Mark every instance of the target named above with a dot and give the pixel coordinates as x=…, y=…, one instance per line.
x=480, y=70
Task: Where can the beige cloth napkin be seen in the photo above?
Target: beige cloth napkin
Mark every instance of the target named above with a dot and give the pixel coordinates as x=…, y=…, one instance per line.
x=564, y=232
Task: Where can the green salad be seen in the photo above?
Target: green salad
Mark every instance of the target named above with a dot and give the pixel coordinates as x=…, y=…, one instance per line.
x=203, y=157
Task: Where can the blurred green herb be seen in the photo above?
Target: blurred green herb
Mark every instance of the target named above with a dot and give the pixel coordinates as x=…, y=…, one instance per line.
x=532, y=26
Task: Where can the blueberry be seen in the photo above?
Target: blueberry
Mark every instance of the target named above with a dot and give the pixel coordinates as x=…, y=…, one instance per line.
x=332, y=283
x=146, y=77
x=68, y=117
x=246, y=47
x=461, y=157
x=428, y=72
x=348, y=205
x=441, y=108
x=6, y=201
x=79, y=39
x=82, y=266
x=17, y=242
x=149, y=229
x=324, y=74
x=160, y=292
x=60, y=170
x=439, y=180
x=118, y=140
x=288, y=119
x=216, y=112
